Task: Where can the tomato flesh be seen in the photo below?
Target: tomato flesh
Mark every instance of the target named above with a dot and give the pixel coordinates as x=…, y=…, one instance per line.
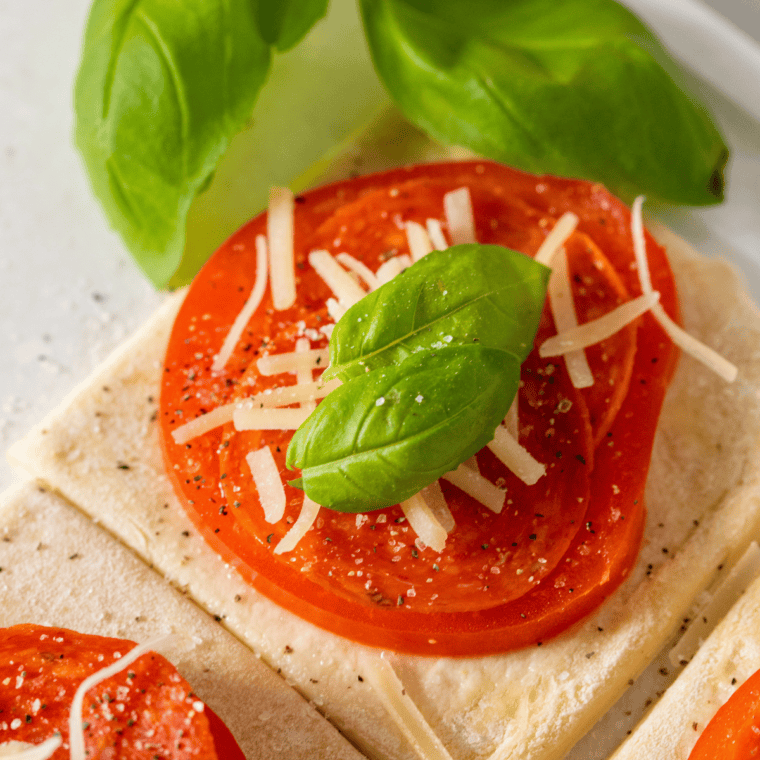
x=734, y=731
x=138, y=714
x=503, y=581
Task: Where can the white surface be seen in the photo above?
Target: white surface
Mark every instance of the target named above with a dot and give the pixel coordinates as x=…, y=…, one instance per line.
x=69, y=291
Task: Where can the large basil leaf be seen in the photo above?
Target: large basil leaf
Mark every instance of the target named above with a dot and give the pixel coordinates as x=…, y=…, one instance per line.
x=283, y=23
x=447, y=298
x=383, y=436
x=571, y=87
x=161, y=89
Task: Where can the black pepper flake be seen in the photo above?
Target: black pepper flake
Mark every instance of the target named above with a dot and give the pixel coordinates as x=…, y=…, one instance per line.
x=75, y=555
x=733, y=682
x=664, y=672
x=532, y=536
x=415, y=554
x=270, y=537
x=28, y=718
x=360, y=679
x=217, y=530
x=123, y=466
x=580, y=458
x=185, y=533
x=484, y=546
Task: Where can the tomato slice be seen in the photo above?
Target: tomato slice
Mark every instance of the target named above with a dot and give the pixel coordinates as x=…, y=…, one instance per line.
x=506, y=581
x=734, y=731
x=141, y=713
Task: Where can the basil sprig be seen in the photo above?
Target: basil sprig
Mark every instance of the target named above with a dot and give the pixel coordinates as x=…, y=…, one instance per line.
x=569, y=87
x=431, y=363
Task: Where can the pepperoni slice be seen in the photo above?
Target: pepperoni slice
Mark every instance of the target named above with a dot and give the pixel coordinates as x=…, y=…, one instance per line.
x=146, y=711
x=503, y=581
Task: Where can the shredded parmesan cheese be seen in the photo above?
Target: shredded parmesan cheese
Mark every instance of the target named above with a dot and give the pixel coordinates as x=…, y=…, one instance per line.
x=25, y=751
x=516, y=458
x=457, y=207
x=282, y=271
x=561, y=231
x=565, y=318
x=435, y=233
x=434, y=498
x=248, y=310
x=474, y=484
x=389, y=269
x=423, y=523
x=293, y=361
x=418, y=240
x=306, y=518
x=76, y=730
x=640, y=245
x=201, y=425
x=406, y=715
x=346, y=289
x=335, y=310
x=512, y=420
x=266, y=477
x=304, y=376
x=288, y=394
x=694, y=347
x=680, y=337
x=597, y=330
x=359, y=268
x=269, y=419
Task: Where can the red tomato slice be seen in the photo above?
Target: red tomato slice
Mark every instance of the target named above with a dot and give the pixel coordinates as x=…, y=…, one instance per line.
x=734, y=731
x=505, y=581
x=141, y=713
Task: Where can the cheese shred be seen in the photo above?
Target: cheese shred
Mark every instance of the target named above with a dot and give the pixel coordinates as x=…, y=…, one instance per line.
x=407, y=716
x=293, y=361
x=474, y=484
x=25, y=751
x=423, y=522
x=515, y=457
x=418, y=240
x=457, y=206
x=554, y=241
x=306, y=518
x=565, y=318
x=346, y=289
x=687, y=343
x=266, y=477
x=248, y=310
x=597, y=330
x=280, y=224
x=76, y=722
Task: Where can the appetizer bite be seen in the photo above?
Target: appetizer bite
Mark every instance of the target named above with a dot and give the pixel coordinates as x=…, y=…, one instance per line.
x=82, y=696
x=62, y=571
x=545, y=685
x=712, y=710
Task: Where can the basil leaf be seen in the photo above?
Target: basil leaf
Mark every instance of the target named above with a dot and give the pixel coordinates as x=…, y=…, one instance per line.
x=284, y=23
x=383, y=436
x=449, y=297
x=572, y=88
x=161, y=89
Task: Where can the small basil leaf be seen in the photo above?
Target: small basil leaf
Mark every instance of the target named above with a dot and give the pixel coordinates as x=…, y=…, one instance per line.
x=384, y=435
x=161, y=89
x=449, y=297
x=284, y=23
x=571, y=88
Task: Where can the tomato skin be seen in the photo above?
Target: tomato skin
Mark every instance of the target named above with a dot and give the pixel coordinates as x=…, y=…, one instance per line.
x=605, y=545
x=137, y=714
x=734, y=731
